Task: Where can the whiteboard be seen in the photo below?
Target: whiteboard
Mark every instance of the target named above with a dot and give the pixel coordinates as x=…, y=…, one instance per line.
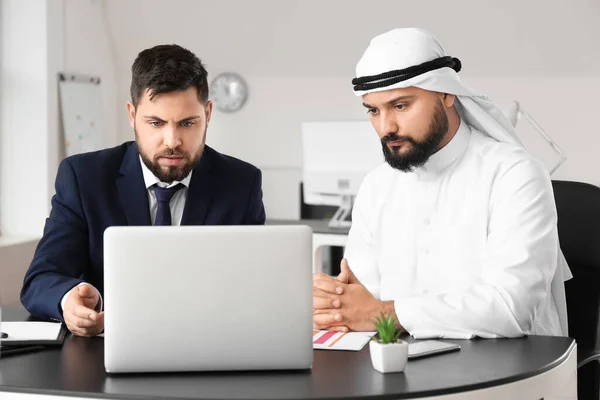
x=81, y=113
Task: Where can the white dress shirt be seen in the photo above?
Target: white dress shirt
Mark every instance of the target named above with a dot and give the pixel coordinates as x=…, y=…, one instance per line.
x=177, y=204
x=466, y=245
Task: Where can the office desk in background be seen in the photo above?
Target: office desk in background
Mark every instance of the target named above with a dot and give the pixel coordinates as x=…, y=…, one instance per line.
x=526, y=368
x=323, y=236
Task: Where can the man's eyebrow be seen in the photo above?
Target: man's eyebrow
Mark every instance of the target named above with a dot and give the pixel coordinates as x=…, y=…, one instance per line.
x=189, y=119
x=392, y=101
x=154, y=117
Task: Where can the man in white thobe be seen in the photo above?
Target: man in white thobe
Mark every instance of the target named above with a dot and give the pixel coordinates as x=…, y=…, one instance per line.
x=456, y=234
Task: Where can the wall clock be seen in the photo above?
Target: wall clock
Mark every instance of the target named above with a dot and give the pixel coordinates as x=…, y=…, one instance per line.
x=229, y=92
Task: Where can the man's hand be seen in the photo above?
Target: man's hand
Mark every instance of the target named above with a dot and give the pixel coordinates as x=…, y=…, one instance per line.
x=326, y=289
x=346, y=275
x=79, y=314
x=326, y=295
x=345, y=303
x=358, y=307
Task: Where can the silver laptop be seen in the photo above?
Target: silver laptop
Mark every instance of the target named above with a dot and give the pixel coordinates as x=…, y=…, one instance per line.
x=207, y=298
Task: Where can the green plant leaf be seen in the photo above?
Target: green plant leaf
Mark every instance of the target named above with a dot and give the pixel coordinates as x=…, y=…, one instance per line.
x=386, y=329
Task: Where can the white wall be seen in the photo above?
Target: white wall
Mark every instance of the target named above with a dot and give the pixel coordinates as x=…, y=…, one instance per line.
x=39, y=39
x=316, y=38
x=28, y=122
x=298, y=58
x=566, y=107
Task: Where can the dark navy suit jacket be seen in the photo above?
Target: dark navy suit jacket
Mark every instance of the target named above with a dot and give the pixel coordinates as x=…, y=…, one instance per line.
x=106, y=188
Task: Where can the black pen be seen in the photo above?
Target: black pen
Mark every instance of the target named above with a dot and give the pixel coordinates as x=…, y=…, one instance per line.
x=20, y=350
x=3, y=335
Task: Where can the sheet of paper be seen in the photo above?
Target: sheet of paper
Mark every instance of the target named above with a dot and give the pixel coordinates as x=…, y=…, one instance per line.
x=30, y=330
x=353, y=341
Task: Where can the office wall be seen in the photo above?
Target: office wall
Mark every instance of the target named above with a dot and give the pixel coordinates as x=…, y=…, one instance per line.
x=565, y=107
x=27, y=124
x=39, y=39
x=298, y=58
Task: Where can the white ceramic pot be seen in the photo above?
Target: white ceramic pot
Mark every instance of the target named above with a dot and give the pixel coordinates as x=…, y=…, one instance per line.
x=389, y=357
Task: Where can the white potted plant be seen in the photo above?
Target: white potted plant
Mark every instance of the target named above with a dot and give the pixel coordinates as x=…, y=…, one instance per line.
x=388, y=352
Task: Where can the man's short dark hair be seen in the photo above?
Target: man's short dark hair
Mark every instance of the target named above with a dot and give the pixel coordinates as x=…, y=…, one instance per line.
x=165, y=69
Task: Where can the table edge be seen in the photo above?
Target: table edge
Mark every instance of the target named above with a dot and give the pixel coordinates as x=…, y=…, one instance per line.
x=428, y=393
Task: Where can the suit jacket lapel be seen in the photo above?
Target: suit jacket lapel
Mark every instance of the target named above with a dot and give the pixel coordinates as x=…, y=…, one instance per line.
x=201, y=191
x=132, y=190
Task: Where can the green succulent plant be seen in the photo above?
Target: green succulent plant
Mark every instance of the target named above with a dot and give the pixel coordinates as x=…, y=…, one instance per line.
x=387, y=331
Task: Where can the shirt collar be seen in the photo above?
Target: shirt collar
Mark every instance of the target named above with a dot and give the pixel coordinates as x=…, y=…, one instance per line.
x=150, y=179
x=447, y=154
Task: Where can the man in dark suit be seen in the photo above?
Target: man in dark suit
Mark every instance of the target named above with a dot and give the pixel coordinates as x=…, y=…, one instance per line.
x=168, y=176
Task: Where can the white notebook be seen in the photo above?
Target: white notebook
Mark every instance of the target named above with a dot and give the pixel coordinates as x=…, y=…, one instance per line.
x=32, y=332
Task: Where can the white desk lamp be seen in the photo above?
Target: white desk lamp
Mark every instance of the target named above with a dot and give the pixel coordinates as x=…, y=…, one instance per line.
x=515, y=112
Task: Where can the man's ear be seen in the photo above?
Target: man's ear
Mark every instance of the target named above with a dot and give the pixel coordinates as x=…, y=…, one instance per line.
x=448, y=100
x=208, y=108
x=131, y=114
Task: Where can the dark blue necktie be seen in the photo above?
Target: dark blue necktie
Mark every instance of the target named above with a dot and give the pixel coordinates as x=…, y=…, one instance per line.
x=164, y=196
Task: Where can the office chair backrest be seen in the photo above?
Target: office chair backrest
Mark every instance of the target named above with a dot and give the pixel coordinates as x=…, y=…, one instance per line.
x=578, y=207
x=310, y=211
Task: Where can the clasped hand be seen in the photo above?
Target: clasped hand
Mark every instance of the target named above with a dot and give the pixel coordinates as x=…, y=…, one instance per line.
x=343, y=303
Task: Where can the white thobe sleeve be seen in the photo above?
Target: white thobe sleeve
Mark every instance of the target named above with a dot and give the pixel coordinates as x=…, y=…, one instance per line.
x=360, y=251
x=518, y=266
